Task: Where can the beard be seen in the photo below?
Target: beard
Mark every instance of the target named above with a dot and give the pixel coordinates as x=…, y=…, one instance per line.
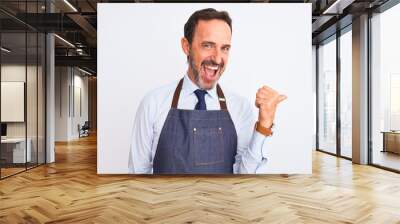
x=198, y=79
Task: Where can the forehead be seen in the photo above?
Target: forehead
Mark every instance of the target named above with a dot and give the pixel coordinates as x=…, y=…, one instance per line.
x=213, y=30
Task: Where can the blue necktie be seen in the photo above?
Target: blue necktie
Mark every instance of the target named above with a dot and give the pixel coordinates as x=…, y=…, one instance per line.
x=201, y=104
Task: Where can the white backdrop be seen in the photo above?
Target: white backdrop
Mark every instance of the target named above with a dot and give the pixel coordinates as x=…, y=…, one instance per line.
x=139, y=50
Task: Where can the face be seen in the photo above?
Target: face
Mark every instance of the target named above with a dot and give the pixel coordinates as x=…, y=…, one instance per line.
x=208, y=53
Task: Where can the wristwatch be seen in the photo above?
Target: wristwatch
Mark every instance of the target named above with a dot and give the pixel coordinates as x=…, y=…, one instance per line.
x=263, y=130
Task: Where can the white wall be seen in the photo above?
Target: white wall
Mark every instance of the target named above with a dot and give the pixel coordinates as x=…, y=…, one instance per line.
x=68, y=81
x=61, y=103
x=80, y=84
x=268, y=47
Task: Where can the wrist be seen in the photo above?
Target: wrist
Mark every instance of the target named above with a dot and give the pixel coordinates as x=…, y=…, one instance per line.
x=265, y=130
x=266, y=124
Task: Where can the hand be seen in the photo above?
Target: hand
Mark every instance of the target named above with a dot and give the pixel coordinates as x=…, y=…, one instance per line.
x=267, y=100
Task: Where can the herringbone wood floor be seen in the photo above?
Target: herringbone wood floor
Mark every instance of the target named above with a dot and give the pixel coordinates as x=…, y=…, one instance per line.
x=70, y=191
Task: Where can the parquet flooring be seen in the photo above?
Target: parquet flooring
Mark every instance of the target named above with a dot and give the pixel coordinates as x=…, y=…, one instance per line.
x=70, y=191
x=10, y=171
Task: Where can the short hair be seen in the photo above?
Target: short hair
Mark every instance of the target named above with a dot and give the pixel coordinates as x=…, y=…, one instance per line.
x=204, y=14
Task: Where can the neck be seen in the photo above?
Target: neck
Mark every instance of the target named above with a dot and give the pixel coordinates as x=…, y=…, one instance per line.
x=192, y=78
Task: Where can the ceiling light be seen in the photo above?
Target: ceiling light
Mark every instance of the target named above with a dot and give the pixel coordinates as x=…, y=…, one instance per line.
x=64, y=40
x=5, y=50
x=337, y=7
x=70, y=5
x=84, y=71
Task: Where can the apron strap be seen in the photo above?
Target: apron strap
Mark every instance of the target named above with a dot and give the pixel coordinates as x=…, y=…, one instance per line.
x=175, y=99
x=176, y=95
x=221, y=98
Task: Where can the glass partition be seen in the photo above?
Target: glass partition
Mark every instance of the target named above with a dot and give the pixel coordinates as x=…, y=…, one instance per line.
x=346, y=94
x=385, y=89
x=41, y=107
x=35, y=49
x=22, y=63
x=327, y=96
x=32, y=95
x=13, y=109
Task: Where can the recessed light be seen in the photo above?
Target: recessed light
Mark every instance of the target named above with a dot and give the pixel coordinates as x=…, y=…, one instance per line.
x=5, y=50
x=84, y=71
x=70, y=5
x=64, y=40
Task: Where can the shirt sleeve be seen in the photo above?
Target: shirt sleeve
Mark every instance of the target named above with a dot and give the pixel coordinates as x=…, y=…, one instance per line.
x=140, y=155
x=249, y=158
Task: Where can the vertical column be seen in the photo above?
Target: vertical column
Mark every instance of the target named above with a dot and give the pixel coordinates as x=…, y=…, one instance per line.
x=314, y=86
x=360, y=90
x=338, y=98
x=50, y=92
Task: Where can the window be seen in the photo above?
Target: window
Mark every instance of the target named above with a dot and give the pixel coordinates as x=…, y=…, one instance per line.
x=327, y=96
x=385, y=89
x=346, y=93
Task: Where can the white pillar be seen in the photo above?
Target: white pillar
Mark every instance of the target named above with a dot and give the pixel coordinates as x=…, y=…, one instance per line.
x=50, y=92
x=360, y=90
x=50, y=100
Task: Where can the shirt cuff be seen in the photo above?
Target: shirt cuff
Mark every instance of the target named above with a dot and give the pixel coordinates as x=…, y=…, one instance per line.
x=256, y=145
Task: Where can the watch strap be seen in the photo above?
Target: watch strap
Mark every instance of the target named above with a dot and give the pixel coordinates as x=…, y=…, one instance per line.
x=263, y=130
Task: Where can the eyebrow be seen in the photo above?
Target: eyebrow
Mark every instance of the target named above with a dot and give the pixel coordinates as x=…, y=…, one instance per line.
x=208, y=42
x=213, y=43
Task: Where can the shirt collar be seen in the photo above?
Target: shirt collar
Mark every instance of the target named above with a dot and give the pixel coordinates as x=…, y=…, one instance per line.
x=189, y=87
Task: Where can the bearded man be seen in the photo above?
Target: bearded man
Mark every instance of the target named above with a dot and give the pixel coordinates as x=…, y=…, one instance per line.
x=192, y=126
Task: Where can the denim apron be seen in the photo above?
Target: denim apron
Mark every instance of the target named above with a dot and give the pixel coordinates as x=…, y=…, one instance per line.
x=196, y=141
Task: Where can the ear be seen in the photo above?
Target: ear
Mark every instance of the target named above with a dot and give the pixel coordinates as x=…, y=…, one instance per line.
x=185, y=46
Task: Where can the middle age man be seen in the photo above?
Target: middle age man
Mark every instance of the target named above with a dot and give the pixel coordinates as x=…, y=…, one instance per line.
x=192, y=126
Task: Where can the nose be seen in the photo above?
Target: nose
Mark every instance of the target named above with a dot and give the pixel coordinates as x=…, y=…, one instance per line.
x=217, y=56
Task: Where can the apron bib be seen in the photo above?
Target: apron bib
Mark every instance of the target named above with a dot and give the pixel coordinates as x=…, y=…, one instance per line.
x=196, y=141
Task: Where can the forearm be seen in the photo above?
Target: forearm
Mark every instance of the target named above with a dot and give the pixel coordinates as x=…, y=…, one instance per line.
x=250, y=158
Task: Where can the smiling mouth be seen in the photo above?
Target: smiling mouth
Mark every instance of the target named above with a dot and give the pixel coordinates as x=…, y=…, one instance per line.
x=210, y=72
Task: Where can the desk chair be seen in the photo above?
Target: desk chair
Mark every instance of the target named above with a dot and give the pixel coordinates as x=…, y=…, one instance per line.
x=84, y=130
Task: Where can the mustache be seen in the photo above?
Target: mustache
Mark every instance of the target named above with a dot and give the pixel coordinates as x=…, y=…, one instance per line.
x=213, y=63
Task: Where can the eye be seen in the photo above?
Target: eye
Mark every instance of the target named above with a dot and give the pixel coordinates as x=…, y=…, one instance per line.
x=226, y=49
x=207, y=45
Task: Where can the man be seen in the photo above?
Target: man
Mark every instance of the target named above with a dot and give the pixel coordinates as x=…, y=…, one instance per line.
x=192, y=126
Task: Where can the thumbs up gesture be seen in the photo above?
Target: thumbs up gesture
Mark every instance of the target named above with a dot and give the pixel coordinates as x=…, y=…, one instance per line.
x=267, y=100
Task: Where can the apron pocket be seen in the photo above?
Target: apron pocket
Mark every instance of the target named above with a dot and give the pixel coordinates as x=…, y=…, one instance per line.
x=208, y=146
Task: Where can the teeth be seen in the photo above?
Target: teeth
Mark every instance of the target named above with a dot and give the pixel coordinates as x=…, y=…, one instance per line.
x=212, y=67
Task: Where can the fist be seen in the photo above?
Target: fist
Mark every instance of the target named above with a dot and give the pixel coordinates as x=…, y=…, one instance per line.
x=267, y=100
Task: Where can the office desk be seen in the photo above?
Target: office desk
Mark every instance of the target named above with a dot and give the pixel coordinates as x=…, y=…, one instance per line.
x=13, y=150
x=391, y=141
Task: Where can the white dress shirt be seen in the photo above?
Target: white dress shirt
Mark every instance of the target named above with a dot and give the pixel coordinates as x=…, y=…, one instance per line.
x=153, y=111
